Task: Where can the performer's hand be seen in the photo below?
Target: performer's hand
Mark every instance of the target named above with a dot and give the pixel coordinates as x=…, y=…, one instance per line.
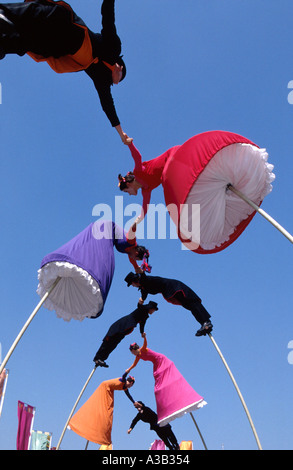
x=141, y=301
x=138, y=270
x=129, y=431
x=124, y=137
x=143, y=334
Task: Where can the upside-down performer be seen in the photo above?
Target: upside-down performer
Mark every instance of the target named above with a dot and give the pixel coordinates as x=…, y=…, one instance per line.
x=175, y=292
x=121, y=328
x=147, y=415
x=85, y=266
x=145, y=176
x=94, y=420
x=174, y=396
x=51, y=31
x=197, y=178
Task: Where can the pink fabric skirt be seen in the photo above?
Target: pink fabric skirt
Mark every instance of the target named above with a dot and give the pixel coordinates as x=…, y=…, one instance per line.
x=174, y=395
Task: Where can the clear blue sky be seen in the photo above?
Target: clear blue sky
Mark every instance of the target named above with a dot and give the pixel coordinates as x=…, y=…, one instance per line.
x=192, y=66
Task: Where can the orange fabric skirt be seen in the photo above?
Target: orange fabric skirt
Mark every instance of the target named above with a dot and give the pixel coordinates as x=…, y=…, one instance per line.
x=94, y=419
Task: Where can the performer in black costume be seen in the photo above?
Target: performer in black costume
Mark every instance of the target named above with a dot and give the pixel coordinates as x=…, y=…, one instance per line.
x=121, y=328
x=175, y=292
x=147, y=415
x=51, y=31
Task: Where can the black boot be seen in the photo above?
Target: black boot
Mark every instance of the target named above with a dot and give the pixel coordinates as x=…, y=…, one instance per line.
x=6, y=26
x=205, y=329
x=10, y=40
x=101, y=363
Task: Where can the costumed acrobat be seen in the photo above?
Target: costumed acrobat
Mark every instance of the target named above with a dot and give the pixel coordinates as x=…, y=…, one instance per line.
x=85, y=267
x=94, y=420
x=121, y=328
x=174, y=396
x=175, y=292
x=51, y=31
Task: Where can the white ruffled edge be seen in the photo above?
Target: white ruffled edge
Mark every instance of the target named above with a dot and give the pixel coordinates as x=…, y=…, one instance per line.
x=49, y=273
x=269, y=177
x=268, y=169
x=187, y=409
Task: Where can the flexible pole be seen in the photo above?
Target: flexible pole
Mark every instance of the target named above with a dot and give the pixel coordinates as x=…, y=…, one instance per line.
x=238, y=391
x=261, y=212
x=3, y=392
x=27, y=323
x=75, y=405
x=198, y=430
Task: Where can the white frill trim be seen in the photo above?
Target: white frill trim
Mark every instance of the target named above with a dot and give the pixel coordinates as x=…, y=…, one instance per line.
x=246, y=167
x=194, y=406
x=76, y=296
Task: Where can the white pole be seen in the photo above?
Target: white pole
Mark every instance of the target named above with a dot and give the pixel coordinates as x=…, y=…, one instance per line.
x=238, y=391
x=75, y=405
x=29, y=320
x=198, y=430
x=3, y=392
x=261, y=212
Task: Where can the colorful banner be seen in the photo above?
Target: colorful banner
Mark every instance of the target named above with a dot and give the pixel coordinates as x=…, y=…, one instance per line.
x=158, y=445
x=186, y=445
x=41, y=440
x=25, y=415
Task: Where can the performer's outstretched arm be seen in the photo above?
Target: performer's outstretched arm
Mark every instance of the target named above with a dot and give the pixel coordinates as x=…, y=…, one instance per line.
x=108, y=17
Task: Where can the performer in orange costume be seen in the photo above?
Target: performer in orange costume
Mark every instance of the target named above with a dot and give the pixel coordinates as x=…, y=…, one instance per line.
x=51, y=31
x=94, y=419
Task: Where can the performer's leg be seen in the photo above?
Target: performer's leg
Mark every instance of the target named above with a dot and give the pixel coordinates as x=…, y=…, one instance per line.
x=108, y=345
x=173, y=440
x=198, y=311
x=44, y=29
x=201, y=314
x=165, y=433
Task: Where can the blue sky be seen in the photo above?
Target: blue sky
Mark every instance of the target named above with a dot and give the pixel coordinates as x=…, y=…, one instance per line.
x=191, y=67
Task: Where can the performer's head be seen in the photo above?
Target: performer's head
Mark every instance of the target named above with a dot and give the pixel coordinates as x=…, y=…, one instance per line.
x=128, y=184
x=120, y=70
x=129, y=381
x=151, y=307
x=139, y=405
x=133, y=279
x=134, y=349
x=137, y=252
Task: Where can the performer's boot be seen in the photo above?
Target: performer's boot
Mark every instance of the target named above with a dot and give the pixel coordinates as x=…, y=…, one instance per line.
x=7, y=24
x=10, y=40
x=205, y=329
x=101, y=363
